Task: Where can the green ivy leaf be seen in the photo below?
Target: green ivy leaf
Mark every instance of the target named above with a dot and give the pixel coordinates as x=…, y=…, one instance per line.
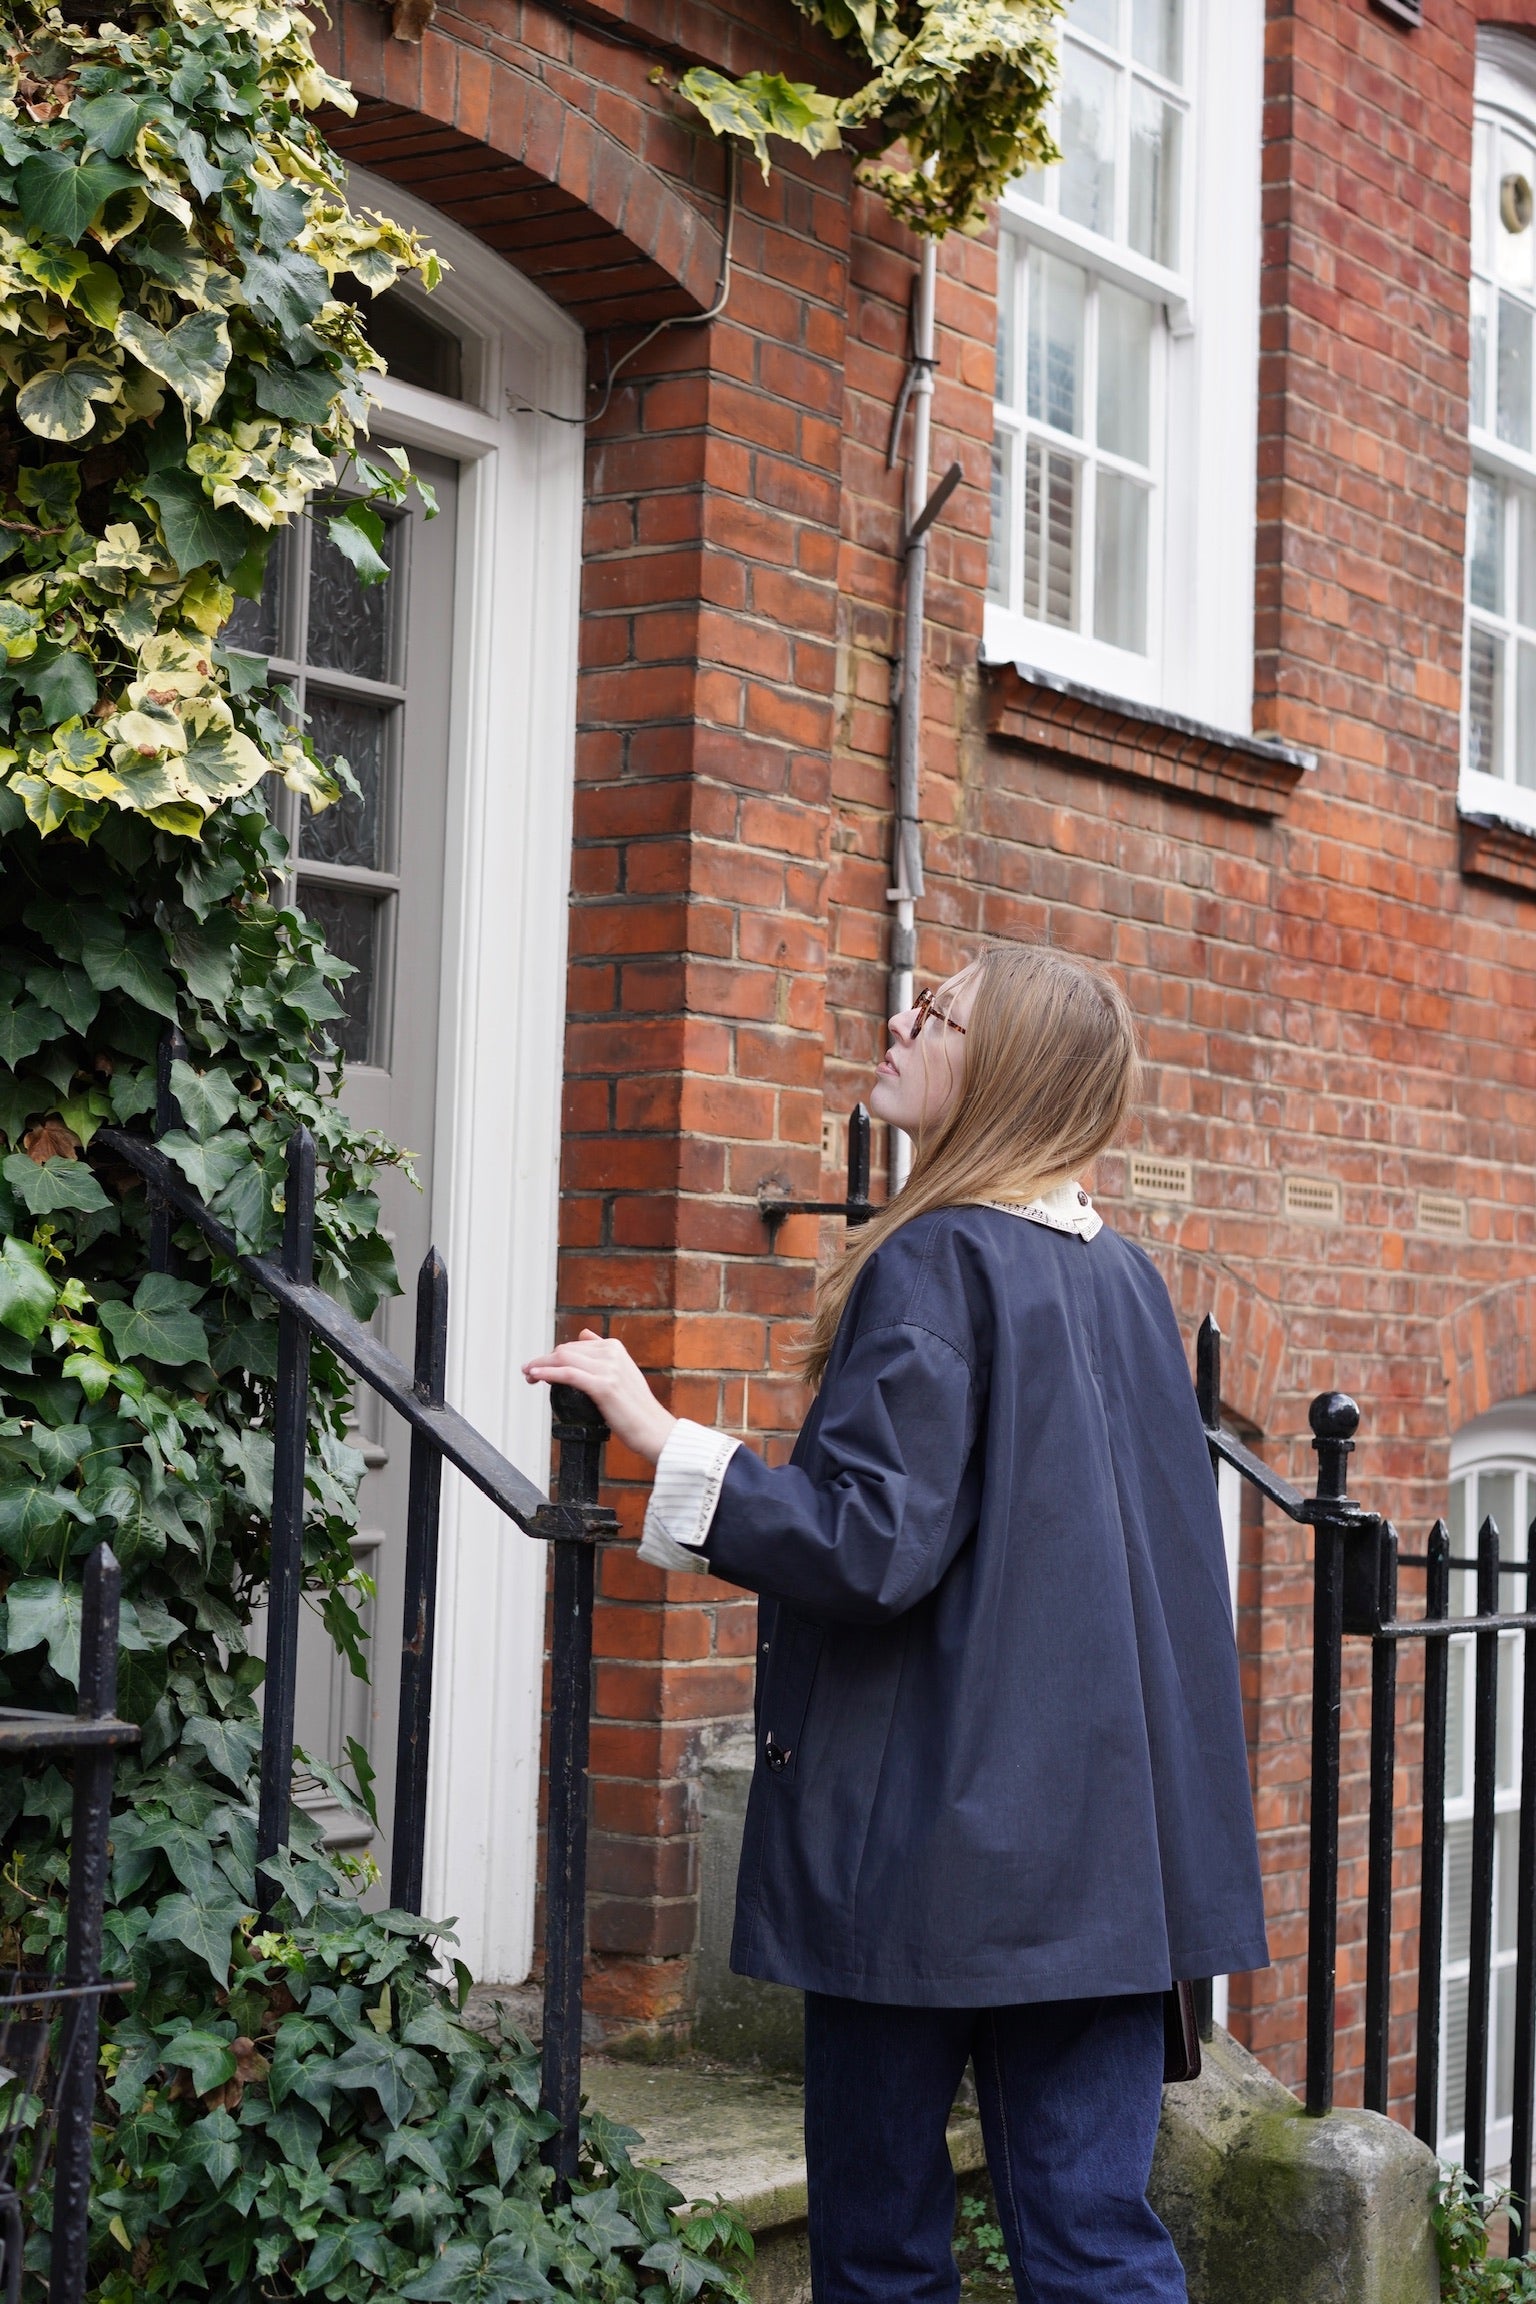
x=61, y=197
x=67, y=991
x=23, y=1029
x=42, y=1612
x=358, y=535
x=213, y=2145
x=206, y=2055
x=115, y=963
x=111, y=122
x=204, y=1927
x=44, y=1187
x=465, y=2272
x=158, y=1325
x=300, y=395
x=207, y=1167
x=285, y=287
x=197, y=534
x=230, y=1746
x=63, y=682
x=27, y=1294
x=208, y=1099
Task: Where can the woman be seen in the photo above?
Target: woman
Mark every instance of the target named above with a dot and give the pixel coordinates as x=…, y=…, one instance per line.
x=1001, y=1798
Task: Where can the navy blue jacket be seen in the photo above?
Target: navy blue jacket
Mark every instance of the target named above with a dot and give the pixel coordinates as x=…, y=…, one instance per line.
x=1000, y=1750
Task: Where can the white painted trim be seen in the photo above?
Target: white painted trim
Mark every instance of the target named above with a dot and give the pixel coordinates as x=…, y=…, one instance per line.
x=1201, y=590
x=496, y=1167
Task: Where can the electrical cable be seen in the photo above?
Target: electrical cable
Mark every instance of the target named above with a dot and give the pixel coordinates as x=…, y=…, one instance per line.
x=678, y=319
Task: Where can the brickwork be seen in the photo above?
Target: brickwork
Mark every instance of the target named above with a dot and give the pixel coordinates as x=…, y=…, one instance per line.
x=1334, y=976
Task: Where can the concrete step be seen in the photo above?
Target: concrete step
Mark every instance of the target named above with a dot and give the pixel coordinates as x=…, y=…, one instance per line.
x=719, y=2132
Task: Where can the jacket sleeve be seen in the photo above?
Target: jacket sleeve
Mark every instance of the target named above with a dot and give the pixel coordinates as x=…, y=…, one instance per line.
x=868, y=1527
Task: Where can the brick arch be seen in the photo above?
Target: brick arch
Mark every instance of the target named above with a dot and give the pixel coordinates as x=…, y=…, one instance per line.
x=1488, y=1350
x=524, y=170
x=1252, y=1331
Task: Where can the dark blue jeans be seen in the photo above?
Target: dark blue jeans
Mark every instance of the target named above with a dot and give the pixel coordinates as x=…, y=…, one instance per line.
x=1070, y=2092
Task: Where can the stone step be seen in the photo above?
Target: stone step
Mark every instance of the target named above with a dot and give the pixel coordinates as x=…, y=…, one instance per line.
x=722, y=2133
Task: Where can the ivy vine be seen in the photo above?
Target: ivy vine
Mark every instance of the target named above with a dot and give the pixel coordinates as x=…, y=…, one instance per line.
x=295, y=2109
x=965, y=84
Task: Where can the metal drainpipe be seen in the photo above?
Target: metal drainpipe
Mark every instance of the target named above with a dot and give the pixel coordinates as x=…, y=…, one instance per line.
x=907, y=858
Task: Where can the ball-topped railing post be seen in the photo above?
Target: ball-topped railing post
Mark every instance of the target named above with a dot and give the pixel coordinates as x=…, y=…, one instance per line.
x=1334, y=1418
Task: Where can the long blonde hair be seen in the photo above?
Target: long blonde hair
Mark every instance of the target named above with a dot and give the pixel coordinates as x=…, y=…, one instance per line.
x=1050, y=1070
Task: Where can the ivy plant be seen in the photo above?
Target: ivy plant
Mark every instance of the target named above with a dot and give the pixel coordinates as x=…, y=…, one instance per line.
x=1468, y=2274
x=290, y=2107
x=965, y=85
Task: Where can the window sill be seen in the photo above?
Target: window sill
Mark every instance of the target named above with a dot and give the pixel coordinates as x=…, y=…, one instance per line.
x=1492, y=848
x=1252, y=775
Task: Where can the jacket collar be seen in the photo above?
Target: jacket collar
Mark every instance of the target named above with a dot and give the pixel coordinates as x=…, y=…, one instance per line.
x=1064, y=1208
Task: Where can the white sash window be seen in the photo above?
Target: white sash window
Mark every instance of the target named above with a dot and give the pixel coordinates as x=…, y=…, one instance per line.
x=1499, y=686
x=1126, y=410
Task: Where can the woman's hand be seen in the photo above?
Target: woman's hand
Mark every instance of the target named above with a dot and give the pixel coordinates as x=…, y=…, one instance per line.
x=601, y=1367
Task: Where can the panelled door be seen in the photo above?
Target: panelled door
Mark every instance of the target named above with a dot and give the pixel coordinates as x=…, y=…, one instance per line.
x=370, y=669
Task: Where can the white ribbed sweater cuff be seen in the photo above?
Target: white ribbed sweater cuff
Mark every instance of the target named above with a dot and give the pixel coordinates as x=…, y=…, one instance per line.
x=687, y=1489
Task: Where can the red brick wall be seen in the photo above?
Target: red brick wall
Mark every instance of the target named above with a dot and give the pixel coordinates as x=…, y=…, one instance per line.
x=1323, y=987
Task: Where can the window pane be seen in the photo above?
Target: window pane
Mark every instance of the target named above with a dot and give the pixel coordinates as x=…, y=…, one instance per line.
x=1506, y=1769
x=1506, y=1834
x=418, y=349
x=1482, y=164
x=1513, y=237
x=1050, y=534
x=1456, y=1785
x=1525, y=514
x=1155, y=133
x=1458, y=1890
x=1480, y=354
x=1503, y=2058
x=1455, y=2057
x=350, y=624
x=1101, y=18
x=1514, y=373
x=1007, y=385
x=258, y=624
x=1120, y=563
x=1157, y=36
x=999, y=542
x=1125, y=374
x=1485, y=544
x=355, y=829
x=1058, y=299
x=1485, y=701
x=1496, y=1502
x=1087, y=173
x=350, y=921
x=1525, y=716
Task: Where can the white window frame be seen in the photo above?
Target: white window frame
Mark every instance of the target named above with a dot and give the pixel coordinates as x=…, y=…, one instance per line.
x=1506, y=93
x=1502, y=1441
x=1204, y=450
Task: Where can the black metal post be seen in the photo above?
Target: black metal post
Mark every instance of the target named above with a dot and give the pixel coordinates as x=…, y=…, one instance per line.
x=1378, y=1931
x=581, y=1433
x=290, y=1437
x=860, y=1206
x=172, y=1050
x=1485, y=1756
x=1437, y=1660
x=408, y=1860
x=1334, y=1418
x=1524, y=2107
x=80, y=2020
x=1208, y=1376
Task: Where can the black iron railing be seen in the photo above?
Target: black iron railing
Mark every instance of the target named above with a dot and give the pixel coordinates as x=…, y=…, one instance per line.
x=573, y=1522
x=50, y=2025
x=1357, y=1566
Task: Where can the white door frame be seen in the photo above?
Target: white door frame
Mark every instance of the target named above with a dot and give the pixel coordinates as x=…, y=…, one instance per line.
x=496, y=1165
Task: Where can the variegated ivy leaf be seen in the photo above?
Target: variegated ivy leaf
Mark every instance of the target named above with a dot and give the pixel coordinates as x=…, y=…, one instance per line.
x=764, y=104
x=18, y=631
x=56, y=269
x=58, y=403
x=191, y=357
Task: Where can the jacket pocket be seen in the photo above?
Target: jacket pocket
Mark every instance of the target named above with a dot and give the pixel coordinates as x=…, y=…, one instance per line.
x=786, y=1670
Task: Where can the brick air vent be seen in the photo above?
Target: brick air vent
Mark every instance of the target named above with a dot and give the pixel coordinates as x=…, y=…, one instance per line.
x=1408, y=12
x=1156, y=1179
x=1442, y=1213
x=1314, y=1199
